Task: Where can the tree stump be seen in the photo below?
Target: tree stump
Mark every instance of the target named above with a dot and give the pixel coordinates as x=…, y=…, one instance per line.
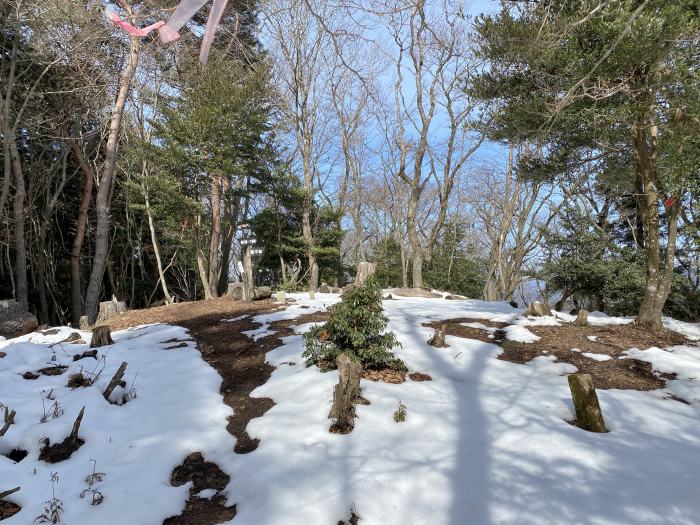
x=281, y=297
x=364, y=271
x=581, y=318
x=438, y=339
x=84, y=323
x=537, y=309
x=588, y=414
x=109, y=309
x=345, y=395
x=101, y=336
x=116, y=379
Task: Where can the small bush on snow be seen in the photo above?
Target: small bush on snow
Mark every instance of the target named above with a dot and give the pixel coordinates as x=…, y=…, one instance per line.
x=356, y=327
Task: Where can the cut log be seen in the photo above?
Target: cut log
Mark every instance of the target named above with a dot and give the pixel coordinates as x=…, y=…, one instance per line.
x=87, y=353
x=588, y=414
x=6, y=493
x=438, y=339
x=101, y=336
x=364, y=271
x=116, y=378
x=581, y=318
x=9, y=420
x=21, y=324
x=537, y=309
x=345, y=395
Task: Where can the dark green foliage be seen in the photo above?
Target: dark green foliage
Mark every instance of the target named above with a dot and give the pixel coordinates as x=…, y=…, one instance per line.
x=356, y=327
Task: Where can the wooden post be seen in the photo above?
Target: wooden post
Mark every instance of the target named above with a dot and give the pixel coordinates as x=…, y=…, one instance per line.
x=581, y=318
x=246, y=284
x=115, y=381
x=101, y=336
x=588, y=414
x=345, y=394
x=438, y=339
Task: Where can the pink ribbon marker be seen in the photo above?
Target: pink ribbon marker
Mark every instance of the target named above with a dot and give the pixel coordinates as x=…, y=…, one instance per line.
x=132, y=30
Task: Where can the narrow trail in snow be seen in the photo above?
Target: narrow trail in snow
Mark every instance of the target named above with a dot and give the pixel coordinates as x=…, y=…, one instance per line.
x=240, y=361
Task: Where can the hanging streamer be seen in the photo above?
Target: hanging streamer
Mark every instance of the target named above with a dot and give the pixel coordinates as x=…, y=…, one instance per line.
x=132, y=30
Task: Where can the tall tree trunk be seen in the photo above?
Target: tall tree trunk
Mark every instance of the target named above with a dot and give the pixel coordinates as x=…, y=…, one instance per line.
x=658, y=285
x=80, y=225
x=306, y=225
x=215, y=235
x=20, y=246
x=104, y=192
x=154, y=242
x=416, y=249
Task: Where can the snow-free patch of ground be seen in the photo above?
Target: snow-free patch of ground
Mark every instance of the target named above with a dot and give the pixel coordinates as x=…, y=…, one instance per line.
x=177, y=410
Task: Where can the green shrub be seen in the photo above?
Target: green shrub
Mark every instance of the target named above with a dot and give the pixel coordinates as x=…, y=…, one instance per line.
x=356, y=327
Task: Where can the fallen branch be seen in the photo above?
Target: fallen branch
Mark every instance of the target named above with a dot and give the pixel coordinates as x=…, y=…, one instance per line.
x=9, y=492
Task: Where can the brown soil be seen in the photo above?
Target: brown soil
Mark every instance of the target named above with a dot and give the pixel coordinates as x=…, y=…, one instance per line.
x=60, y=451
x=237, y=358
x=418, y=376
x=455, y=328
x=384, y=374
x=8, y=509
x=612, y=340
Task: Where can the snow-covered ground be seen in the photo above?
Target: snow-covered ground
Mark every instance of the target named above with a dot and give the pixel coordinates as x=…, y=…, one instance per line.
x=485, y=442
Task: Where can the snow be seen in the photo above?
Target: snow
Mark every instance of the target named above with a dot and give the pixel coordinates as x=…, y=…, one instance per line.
x=178, y=410
x=520, y=334
x=690, y=330
x=597, y=357
x=207, y=493
x=486, y=441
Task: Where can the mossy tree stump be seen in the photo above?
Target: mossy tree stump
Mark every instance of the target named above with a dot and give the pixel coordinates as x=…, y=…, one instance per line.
x=345, y=395
x=101, y=336
x=438, y=339
x=588, y=414
x=581, y=318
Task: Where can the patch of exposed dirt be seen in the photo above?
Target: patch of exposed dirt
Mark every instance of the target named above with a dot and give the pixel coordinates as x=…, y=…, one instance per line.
x=419, y=376
x=60, y=451
x=384, y=374
x=558, y=341
x=611, y=340
x=203, y=475
x=8, y=509
x=16, y=455
x=455, y=328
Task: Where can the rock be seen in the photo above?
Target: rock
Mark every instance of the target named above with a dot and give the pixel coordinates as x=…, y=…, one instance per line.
x=261, y=292
x=364, y=271
x=324, y=289
x=74, y=336
x=21, y=324
x=514, y=304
